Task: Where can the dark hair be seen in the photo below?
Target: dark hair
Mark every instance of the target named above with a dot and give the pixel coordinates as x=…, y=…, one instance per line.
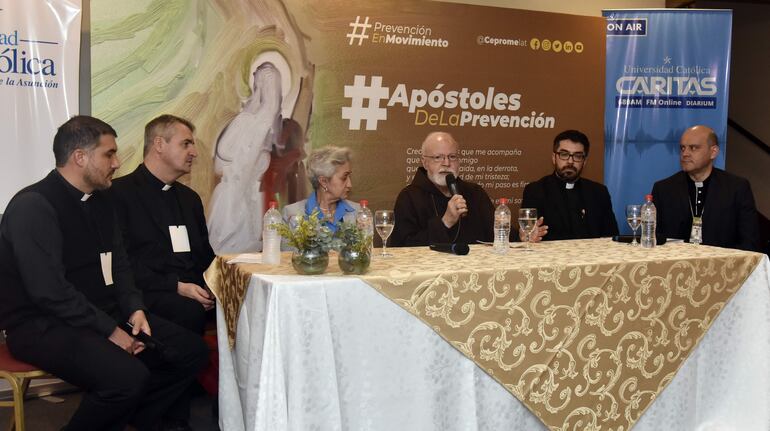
x=574, y=136
x=161, y=126
x=79, y=132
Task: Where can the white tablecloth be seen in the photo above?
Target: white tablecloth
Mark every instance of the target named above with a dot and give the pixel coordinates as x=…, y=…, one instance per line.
x=331, y=353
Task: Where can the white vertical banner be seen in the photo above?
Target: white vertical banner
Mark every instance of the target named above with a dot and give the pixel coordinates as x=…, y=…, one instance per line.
x=39, y=72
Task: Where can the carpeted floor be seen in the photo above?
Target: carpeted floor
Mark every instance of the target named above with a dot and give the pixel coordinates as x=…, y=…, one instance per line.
x=52, y=413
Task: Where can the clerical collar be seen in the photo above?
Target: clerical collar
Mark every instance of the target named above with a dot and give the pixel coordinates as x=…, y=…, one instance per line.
x=697, y=193
x=72, y=190
x=699, y=184
x=153, y=180
x=567, y=185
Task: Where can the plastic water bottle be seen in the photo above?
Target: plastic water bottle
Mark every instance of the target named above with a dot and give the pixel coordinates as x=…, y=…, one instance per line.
x=365, y=221
x=649, y=214
x=271, y=240
x=502, y=227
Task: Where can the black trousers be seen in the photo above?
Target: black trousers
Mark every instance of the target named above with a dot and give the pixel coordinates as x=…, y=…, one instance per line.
x=185, y=312
x=120, y=388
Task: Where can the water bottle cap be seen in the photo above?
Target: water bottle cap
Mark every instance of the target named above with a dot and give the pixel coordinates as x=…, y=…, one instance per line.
x=648, y=198
x=364, y=202
x=503, y=201
x=272, y=205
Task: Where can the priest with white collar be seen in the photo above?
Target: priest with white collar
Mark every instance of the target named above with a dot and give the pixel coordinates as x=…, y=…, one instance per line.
x=165, y=232
x=570, y=207
x=164, y=225
x=722, y=203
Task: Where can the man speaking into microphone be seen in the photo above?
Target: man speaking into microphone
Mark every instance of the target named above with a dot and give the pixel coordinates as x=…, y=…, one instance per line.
x=437, y=207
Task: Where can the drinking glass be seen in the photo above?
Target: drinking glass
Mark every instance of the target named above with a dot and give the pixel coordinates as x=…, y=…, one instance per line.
x=634, y=219
x=527, y=223
x=384, y=222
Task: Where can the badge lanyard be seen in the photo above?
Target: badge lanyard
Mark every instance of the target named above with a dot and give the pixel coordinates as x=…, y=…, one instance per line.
x=696, y=232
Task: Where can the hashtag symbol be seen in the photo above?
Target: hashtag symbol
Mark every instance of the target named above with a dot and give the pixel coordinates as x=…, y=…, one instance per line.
x=372, y=112
x=358, y=25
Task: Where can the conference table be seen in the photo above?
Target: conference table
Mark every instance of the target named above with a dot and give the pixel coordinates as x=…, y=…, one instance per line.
x=574, y=335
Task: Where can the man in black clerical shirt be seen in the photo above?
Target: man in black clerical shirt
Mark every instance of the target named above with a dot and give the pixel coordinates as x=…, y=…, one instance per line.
x=570, y=207
x=722, y=202
x=164, y=227
x=66, y=286
x=164, y=230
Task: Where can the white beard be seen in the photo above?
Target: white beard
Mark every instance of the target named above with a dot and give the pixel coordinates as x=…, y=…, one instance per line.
x=440, y=178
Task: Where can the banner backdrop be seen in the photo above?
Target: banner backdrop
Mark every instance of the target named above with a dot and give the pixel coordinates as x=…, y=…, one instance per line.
x=39, y=70
x=666, y=70
x=267, y=81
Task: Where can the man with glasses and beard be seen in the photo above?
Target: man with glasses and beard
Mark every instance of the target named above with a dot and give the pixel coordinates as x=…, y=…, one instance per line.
x=428, y=213
x=570, y=207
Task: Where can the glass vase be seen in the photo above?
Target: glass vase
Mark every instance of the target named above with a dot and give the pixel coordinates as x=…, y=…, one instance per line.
x=353, y=262
x=310, y=262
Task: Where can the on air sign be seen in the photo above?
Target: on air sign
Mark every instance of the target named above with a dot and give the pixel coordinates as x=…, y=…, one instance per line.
x=627, y=27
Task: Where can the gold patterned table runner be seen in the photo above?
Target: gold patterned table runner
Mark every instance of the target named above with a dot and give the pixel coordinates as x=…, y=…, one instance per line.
x=585, y=333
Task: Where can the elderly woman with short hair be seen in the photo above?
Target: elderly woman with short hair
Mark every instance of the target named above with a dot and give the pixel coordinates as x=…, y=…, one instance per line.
x=329, y=172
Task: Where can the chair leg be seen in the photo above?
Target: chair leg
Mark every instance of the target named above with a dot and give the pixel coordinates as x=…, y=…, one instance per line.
x=20, y=389
x=19, y=383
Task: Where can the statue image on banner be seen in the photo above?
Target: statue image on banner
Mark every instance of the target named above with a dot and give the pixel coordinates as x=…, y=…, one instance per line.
x=252, y=157
x=241, y=157
x=246, y=82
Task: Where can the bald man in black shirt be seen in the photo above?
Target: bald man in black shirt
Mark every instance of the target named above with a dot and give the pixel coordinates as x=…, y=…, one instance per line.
x=723, y=202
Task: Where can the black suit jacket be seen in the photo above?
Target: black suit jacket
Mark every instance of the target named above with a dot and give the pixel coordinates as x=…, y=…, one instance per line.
x=548, y=195
x=729, y=215
x=147, y=237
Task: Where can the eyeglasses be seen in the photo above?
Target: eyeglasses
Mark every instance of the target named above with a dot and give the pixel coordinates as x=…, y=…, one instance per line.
x=565, y=155
x=441, y=157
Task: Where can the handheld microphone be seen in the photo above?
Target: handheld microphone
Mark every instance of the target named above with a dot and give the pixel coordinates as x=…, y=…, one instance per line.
x=455, y=248
x=451, y=183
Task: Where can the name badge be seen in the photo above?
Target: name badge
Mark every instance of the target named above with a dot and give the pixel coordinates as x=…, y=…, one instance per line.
x=696, y=233
x=180, y=242
x=106, y=260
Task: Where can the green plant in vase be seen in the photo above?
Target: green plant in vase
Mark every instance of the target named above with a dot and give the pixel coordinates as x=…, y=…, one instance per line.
x=355, y=248
x=311, y=241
